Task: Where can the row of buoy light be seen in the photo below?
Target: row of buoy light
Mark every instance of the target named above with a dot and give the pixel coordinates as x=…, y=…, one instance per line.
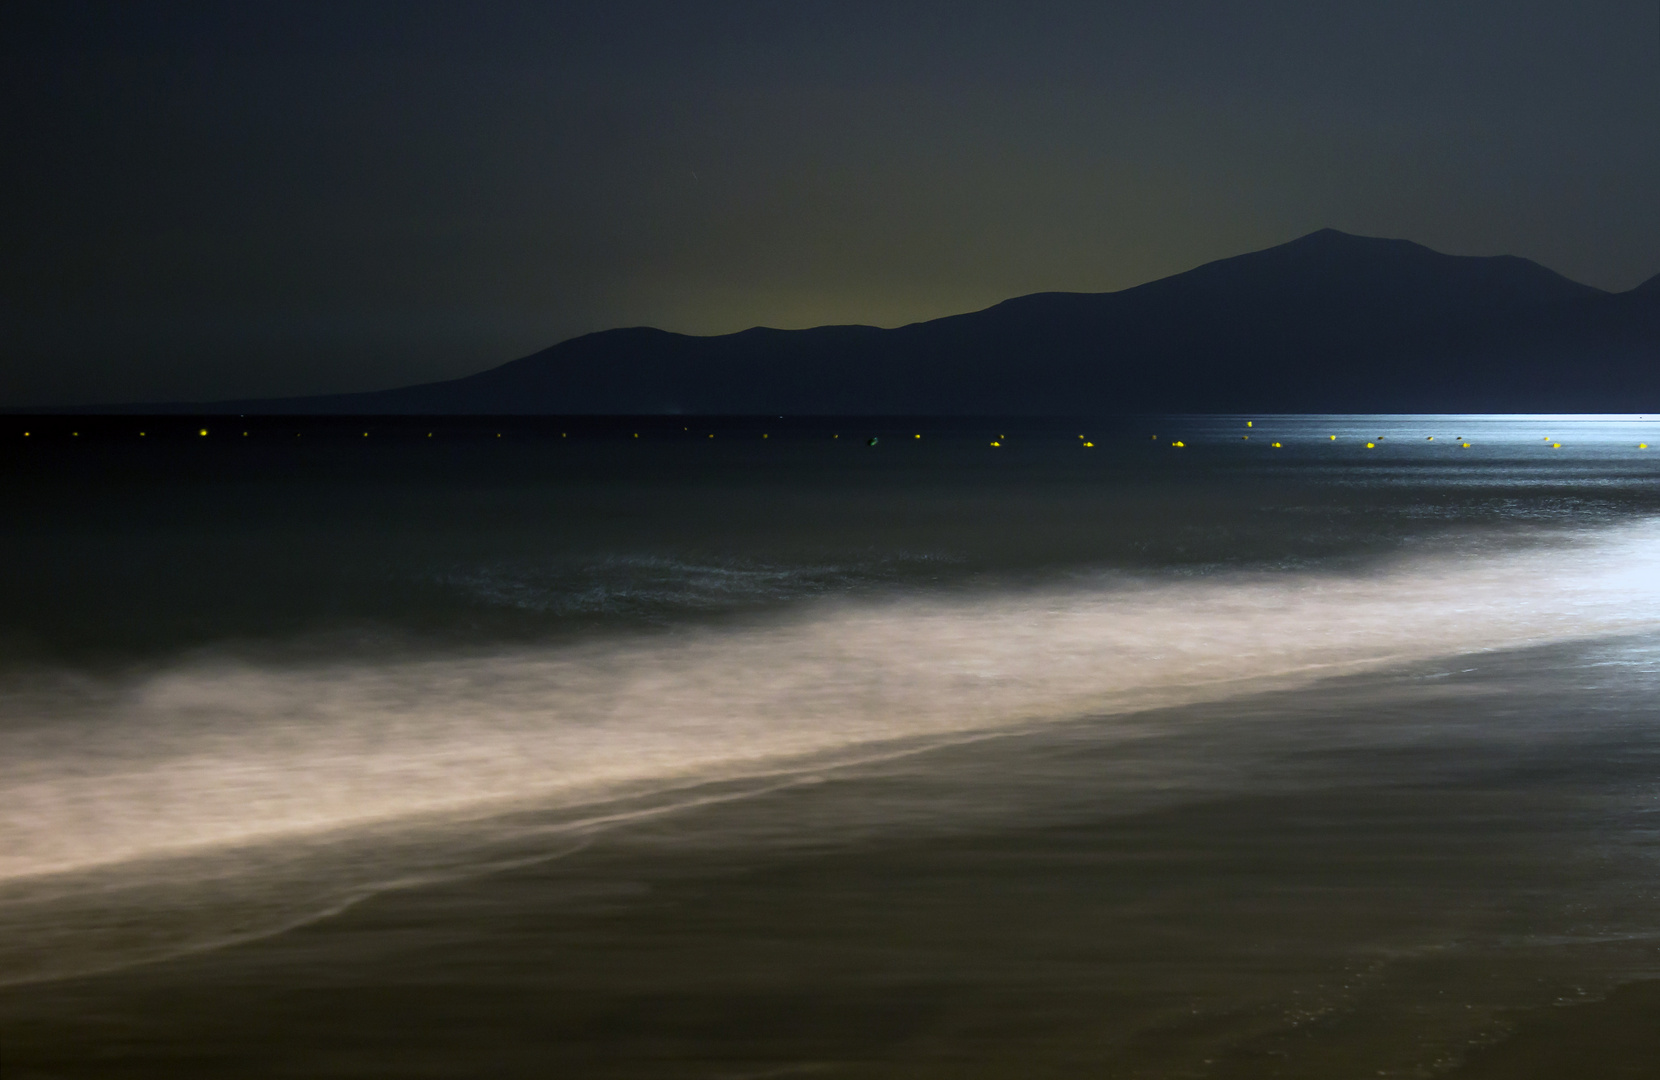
x=998, y=442
x=1431, y=438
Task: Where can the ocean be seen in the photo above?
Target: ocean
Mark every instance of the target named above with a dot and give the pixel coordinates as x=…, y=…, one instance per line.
x=688, y=747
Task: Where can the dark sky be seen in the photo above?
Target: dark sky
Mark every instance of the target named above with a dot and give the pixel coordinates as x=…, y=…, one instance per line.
x=208, y=200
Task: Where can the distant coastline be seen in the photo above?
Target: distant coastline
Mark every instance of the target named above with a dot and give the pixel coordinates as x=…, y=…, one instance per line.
x=1329, y=323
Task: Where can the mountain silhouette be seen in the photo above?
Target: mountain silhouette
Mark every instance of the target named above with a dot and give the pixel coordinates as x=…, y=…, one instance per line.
x=1326, y=323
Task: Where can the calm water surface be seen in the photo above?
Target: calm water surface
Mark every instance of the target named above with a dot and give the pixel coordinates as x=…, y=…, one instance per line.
x=1319, y=747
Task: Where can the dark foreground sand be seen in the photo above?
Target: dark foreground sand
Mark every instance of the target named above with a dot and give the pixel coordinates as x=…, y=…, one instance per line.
x=840, y=964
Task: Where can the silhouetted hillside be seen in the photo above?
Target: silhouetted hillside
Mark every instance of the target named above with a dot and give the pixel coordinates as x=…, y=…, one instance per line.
x=1327, y=323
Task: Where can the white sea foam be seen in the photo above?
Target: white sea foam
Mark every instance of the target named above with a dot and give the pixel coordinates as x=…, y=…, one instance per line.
x=209, y=754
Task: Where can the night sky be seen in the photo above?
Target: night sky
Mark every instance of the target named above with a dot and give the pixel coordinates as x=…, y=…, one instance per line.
x=214, y=200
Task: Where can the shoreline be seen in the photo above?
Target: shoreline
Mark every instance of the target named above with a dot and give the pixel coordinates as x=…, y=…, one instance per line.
x=1607, y=1038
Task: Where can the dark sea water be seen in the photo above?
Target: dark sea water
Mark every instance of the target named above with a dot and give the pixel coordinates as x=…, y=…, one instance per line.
x=696, y=748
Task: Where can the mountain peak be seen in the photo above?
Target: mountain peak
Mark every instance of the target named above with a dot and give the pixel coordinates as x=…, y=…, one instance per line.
x=1337, y=239
x=1459, y=277
x=1330, y=235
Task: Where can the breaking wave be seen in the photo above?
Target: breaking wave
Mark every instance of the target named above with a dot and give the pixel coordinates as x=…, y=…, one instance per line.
x=210, y=753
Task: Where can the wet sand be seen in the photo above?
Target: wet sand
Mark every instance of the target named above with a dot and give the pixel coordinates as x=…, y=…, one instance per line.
x=1239, y=891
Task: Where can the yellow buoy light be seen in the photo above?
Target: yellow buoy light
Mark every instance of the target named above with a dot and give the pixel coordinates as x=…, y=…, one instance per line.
x=919, y=436
x=1556, y=446
x=1089, y=444
x=1430, y=438
x=1178, y=442
x=1247, y=423
x=1466, y=446
x=1369, y=446
x=1640, y=446
x=202, y=432
x=994, y=442
x=1275, y=445
x=1334, y=438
